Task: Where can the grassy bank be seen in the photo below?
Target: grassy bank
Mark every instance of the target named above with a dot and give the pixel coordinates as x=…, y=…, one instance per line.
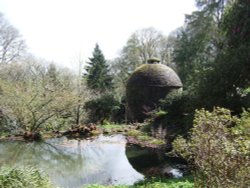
x=186, y=182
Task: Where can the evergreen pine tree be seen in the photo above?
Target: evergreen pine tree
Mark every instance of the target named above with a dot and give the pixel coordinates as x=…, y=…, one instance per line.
x=97, y=76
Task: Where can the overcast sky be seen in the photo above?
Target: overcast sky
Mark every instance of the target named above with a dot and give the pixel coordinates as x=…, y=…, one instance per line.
x=61, y=30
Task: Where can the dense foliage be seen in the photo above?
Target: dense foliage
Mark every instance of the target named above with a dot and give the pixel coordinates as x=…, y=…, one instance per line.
x=218, y=148
x=23, y=177
x=100, y=81
x=35, y=98
x=174, y=116
x=103, y=108
x=98, y=76
x=212, y=54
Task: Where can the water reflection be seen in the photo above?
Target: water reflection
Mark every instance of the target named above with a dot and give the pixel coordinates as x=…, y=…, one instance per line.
x=73, y=163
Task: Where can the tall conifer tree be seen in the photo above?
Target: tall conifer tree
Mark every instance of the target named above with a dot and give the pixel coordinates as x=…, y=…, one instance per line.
x=97, y=76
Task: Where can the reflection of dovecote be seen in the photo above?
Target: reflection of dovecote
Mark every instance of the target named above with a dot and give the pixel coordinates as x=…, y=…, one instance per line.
x=147, y=85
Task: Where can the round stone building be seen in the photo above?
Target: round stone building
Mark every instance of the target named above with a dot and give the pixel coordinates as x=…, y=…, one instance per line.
x=146, y=86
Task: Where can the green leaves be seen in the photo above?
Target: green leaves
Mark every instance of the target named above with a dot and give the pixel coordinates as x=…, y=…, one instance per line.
x=23, y=177
x=38, y=100
x=98, y=77
x=219, y=148
x=102, y=108
x=212, y=53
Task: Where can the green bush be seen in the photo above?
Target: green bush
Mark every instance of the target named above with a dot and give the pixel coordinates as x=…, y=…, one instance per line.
x=219, y=149
x=22, y=177
x=177, y=103
x=173, y=117
x=103, y=108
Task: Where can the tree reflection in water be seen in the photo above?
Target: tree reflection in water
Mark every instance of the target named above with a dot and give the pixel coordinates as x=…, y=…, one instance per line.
x=73, y=163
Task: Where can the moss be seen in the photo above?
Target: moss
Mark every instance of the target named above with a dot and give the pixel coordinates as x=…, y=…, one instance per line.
x=154, y=75
x=153, y=60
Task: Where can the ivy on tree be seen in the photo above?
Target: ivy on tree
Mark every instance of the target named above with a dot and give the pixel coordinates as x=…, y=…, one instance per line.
x=97, y=76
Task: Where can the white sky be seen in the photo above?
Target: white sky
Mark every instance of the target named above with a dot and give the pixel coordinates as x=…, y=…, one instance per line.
x=61, y=30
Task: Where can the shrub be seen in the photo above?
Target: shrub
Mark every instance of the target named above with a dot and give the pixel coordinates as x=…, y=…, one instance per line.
x=174, y=117
x=102, y=108
x=219, y=149
x=177, y=103
x=22, y=177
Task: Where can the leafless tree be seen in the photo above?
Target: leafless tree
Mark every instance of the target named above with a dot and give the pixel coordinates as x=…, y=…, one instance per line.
x=147, y=43
x=12, y=45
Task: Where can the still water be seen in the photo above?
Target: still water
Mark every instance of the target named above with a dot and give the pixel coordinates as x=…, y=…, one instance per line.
x=75, y=163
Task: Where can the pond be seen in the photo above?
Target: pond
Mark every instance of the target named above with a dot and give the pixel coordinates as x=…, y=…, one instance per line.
x=75, y=163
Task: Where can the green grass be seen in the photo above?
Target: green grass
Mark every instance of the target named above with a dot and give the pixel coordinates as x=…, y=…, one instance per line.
x=111, y=126
x=135, y=133
x=186, y=182
x=23, y=177
x=157, y=142
x=4, y=134
x=144, y=137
